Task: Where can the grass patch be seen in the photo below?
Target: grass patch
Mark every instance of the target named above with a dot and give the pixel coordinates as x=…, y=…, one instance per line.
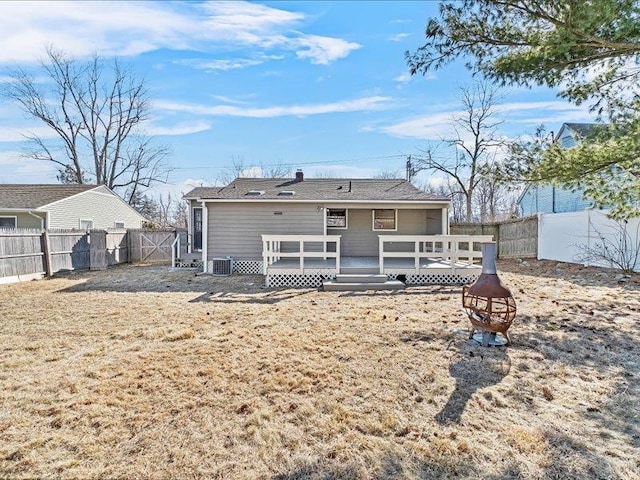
x=112, y=374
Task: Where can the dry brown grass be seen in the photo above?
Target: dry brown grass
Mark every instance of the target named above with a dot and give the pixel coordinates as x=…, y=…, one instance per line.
x=143, y=372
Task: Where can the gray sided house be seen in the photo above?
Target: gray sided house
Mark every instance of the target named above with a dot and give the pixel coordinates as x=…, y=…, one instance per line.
x=302, y=231
x=80, y=207
x=537, y=198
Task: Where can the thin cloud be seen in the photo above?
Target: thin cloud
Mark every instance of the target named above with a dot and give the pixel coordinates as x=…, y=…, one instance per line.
x=436, y=126
x=139, y=27
x=179, y=129
x=226, y=64
x=20, y=134
x=324, y=50
x=343, y=106
x=233, y=101
x=398, y=37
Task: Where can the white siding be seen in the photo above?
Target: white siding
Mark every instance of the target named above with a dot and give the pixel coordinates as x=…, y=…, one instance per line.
x=235, y=229
x=99, y=205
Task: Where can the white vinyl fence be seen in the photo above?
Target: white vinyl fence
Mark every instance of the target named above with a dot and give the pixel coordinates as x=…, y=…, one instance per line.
x=589, y=238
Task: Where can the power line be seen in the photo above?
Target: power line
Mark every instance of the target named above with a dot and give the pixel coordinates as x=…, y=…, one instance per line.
x=297, y=164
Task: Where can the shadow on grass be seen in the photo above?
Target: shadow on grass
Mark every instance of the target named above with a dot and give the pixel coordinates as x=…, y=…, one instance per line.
x=247, y=289
x=266, y=298
x=412, y=290
x=473, y=368
x=568, y=458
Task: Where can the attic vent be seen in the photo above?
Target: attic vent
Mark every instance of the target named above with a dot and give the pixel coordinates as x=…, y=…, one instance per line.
x=287, y=193
x=255, y=192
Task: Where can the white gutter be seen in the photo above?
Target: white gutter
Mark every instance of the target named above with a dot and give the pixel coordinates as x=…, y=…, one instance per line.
x=332, y=203
x=30, y=212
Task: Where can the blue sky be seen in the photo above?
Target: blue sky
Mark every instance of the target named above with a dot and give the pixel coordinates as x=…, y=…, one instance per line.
x=321, y=86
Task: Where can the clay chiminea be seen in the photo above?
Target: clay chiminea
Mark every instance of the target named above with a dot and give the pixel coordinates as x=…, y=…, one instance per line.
x=488, y=303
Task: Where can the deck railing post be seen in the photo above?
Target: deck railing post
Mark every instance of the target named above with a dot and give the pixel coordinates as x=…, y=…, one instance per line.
x=301, y=256
x=454, y=254
x=337, y=255
x=381, y=253
x=416, y=253
x=265, y=255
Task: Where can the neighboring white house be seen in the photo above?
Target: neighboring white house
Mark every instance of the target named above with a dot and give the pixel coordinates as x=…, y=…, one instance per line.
x=538, y=198
x=299, y=230
x=79, y=207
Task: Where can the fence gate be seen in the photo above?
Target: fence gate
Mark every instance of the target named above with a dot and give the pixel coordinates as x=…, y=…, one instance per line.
x=156, y=246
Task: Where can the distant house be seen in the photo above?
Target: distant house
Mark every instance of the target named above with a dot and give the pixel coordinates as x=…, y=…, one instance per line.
x=538, y=198
x=297, y=230
x=65, y=207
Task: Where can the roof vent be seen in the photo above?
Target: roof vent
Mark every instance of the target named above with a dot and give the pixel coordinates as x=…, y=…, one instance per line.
x=255, y=192
x=287, y=193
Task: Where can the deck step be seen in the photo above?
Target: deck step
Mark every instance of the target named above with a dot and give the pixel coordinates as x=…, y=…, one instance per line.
x=359, y=270
x=361, y=278
x=333, y=286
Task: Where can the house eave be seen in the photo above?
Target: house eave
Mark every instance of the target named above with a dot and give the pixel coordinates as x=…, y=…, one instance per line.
x=23, y=210
x=326, y=201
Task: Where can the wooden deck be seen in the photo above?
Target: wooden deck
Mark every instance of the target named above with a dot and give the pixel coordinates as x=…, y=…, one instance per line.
x=349, y=264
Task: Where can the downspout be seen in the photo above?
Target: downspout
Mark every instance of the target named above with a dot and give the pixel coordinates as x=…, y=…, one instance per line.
x=205, y=235
x=189, y=227
x=30, y=212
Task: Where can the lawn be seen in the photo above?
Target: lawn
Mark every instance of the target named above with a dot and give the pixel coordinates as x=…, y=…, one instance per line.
x=143, y=372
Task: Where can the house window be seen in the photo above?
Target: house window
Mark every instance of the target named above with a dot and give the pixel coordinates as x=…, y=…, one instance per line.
x=8, y=222
x=385, y=219
x=336, y=218
x=86, y=224
x=197, y=228
x=119, y=225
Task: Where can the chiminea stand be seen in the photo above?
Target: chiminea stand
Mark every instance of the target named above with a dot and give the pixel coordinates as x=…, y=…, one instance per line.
x=488, y=303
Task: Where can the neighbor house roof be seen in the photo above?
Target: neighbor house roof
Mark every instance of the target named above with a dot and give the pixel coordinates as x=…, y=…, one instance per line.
x=315, y=189
x=36, y=196
x=582, y=129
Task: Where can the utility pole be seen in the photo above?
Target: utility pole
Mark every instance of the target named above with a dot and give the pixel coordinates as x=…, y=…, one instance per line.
x=410, y=170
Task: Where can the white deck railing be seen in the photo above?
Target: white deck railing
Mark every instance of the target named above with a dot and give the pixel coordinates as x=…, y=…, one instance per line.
x=444, y=248
x=272, y=251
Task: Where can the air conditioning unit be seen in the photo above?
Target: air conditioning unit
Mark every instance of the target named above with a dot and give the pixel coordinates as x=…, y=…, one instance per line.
x=220, y=266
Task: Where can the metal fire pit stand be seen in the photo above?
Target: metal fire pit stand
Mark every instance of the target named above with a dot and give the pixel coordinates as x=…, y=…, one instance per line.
x=488, y=303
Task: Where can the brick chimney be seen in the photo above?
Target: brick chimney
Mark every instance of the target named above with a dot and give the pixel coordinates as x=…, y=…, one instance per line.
x=299, y=175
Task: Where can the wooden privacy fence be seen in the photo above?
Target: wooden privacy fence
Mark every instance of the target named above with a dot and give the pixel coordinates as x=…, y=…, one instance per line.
x=21, y=253
x=517, y=238
x=26, y=254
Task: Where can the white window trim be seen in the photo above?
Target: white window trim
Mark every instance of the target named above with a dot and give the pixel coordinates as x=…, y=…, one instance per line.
x=80, y=220
x=115, y=224
x=373, y=220
x=346, y=218
x=15, y=220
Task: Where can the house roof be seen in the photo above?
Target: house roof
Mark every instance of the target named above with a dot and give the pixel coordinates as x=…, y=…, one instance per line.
x=582, y=129
x=315, y=189
x=35, y=196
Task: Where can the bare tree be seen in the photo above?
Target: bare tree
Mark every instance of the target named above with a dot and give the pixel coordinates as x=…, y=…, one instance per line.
x=96, y=114
x=388, y=174
x=325, y=173
x=241, y=168
x=618, y=248
x=493, y=198
x=448, y=189
x=476, y=143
